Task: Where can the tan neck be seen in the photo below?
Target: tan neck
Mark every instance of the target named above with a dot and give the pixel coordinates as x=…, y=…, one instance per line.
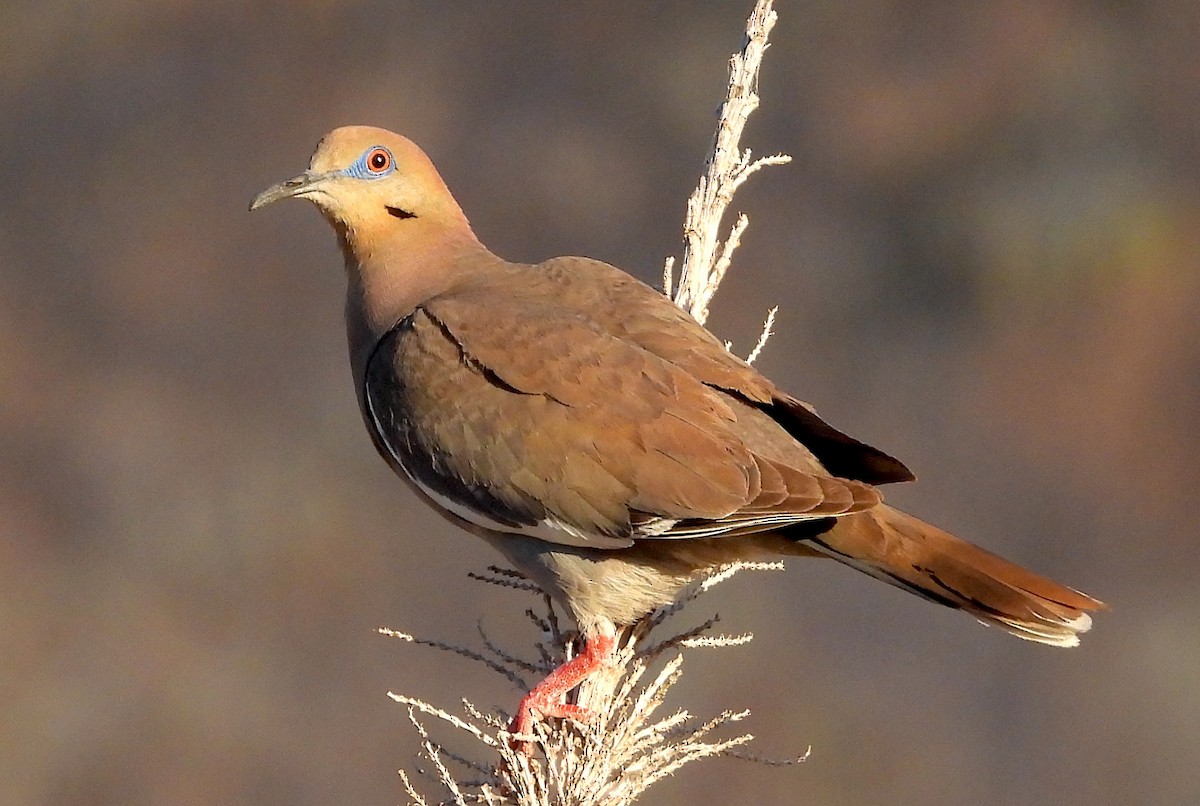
x=407, y=263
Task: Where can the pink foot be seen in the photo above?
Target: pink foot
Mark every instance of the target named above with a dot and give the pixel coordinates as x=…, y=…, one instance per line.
x=545, y=700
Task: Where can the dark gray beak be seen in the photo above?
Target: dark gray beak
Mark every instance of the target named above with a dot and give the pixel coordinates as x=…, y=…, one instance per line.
x=296, y=186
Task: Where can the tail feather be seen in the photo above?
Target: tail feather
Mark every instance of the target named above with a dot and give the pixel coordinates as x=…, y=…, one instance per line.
x=923, y=559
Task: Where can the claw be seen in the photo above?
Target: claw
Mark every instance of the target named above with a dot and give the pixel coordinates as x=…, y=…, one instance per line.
x=545, y=700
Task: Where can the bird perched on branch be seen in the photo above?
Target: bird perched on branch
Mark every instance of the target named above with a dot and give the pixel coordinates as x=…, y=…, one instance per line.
x=608, y=445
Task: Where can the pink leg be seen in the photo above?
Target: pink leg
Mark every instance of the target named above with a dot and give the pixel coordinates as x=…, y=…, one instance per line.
x=546, y=698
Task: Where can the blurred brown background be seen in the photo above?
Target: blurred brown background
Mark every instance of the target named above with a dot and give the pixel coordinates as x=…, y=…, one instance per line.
x=985, y=255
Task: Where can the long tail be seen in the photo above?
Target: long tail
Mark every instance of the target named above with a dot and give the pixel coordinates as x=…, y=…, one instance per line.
x=923, y=559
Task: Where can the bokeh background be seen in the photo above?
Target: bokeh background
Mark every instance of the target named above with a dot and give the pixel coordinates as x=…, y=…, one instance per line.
x=985, y=255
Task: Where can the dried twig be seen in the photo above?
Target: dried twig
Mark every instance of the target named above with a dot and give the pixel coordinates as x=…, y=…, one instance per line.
x=705, y=257
x=625, y=748
x=611, y=759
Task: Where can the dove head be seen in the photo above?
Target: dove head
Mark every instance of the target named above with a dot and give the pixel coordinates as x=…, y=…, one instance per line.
x=373, y=185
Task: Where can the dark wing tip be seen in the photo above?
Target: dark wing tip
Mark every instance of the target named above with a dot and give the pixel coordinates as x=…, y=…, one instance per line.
x=841, y=454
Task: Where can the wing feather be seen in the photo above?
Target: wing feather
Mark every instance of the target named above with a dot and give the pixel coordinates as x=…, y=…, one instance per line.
x=542, y=422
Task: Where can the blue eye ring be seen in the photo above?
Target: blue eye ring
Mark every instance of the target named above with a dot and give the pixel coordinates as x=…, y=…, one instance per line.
x=378, y=160
x=375, y=162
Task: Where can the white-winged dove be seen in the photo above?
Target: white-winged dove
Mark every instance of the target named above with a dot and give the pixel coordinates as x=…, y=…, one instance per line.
x=608, y=445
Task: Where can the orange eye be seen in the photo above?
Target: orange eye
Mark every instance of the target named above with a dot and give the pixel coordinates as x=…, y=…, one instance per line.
x=379, y=160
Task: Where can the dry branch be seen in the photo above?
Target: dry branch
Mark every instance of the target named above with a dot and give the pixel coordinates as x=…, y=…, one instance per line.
x=626, y=746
